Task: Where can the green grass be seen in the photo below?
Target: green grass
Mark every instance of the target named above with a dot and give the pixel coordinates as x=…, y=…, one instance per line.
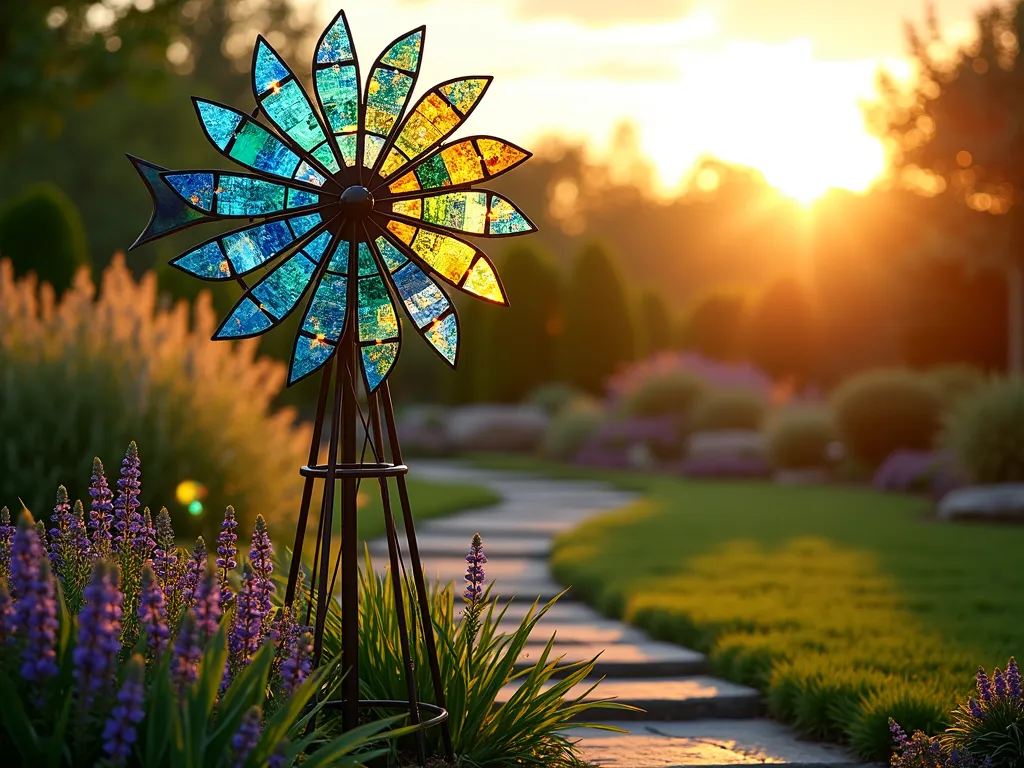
x=846, y=606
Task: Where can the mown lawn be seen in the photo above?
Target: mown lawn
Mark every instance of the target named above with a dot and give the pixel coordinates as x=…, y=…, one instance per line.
x=845, y=605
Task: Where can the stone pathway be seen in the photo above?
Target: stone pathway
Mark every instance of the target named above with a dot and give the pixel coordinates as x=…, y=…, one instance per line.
x=690, y=718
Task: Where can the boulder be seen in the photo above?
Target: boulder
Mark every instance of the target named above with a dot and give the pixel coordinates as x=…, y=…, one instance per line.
x=502, y=428
x=1004, y=502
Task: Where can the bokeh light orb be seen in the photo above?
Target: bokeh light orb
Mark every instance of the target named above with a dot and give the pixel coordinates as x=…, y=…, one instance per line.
x=195, y=508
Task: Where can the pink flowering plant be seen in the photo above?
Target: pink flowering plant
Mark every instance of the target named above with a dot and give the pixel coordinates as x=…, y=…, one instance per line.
x=119, y=648
x=987, y=730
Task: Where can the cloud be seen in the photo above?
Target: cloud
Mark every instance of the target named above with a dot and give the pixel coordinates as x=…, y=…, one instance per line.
x=604, y=13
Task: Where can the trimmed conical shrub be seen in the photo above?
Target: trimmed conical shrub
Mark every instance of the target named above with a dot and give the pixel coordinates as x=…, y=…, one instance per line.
x=599, y=335
x=41, y=231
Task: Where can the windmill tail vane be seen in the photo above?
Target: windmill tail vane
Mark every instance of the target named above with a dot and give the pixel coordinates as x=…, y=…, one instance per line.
x=350, y=203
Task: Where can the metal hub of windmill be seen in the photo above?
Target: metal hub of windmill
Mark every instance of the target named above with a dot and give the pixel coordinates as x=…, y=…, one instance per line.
x=349, y=210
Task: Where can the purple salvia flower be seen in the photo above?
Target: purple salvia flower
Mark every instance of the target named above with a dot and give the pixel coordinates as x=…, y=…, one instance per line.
x=898, y=734
x=227, y=551
x=165, y=554
x=247, y=627
x=127, y=519
x=1013, y=681
x=153, y=613
x=475, y=571
x=248, y=736
x=144, y=541
x=261, y=560
x=58, y=534
x=120, y=731
x=984, y=688
x=6, y=536
x=6, y=614
x=297, y=663
x=194, y=568
x=278, y=759
x=206, y=604
x=998, y=685
x=99, y=634
x=35, y=609
x=101, y=518
x=187, y=652
x=975, y=709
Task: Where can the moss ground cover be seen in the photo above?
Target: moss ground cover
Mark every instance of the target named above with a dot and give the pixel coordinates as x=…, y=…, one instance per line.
x=846, y=606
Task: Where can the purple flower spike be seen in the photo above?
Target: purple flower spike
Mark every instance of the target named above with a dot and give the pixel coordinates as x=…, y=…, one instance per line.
x=297, y=664
x=127, y=519
x=475, y=571
x=194, y=568
x=101, y=518
x=69, y=546
x=261, y=560
x=248, y=736
x=998, y=685
x=6, y=613
x=58, y=534
x=247, y=628
x=1013, y=681
x=165, y=555
x=187, y=652
x=99, y=634
x=35, y=612
x=898, y=734
x=227, y=551
x=975, y=709
x=6, y=537
x=153, y=613
x=120, y=732
x=144, y=537
x=984, y=688
x=206, y=604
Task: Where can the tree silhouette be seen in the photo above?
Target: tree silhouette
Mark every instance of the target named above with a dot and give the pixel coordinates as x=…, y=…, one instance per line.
x=960, y=132
x=780, y=336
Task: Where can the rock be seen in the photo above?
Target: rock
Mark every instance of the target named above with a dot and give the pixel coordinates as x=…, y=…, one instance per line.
x=984, y=502
x=731, y=444
x=512, y=428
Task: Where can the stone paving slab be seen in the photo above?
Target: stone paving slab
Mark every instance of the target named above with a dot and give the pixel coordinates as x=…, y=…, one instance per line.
x=667, y=699
x=623, y=660
x=565, y=611
x=522, y=578
x=577, y=631
x=445, y=545
x=705, y=743
x=493, y=526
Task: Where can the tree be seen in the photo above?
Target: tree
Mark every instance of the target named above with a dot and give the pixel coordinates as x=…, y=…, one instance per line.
x=523, y=337
x=654, y=324
x=598, y=327
x=960, y=131
x=781, y=331
x=714, y=325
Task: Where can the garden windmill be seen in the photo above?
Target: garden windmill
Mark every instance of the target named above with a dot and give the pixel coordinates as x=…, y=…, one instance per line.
x=354, y=209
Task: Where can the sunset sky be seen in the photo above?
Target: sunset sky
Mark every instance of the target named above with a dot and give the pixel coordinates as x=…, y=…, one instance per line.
x=773, y=84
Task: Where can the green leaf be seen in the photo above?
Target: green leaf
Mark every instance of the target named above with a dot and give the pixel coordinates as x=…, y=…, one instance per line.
x=19, y=726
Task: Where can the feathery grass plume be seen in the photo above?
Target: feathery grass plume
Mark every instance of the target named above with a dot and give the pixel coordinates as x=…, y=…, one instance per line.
x=473, y=596
x=227, y=552
x=6, y=535
x=247, y=736
x=101, y=507
x=35, y=607
x=99, y=635
x=126, y=506
x=153, y=614
x=120, y=732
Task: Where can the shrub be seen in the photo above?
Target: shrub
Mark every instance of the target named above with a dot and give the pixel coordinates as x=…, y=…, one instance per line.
x=727, y=409
x=880, y=411
x=598, y=336
x=954, y=382
x=42, y=220
x=83, y=375
x=799, y=438
x=116, y=644
x=673, y=393
x=571, y=429
x=714, y=324
x=986, y=432
x=985, y=731
x=553, y=398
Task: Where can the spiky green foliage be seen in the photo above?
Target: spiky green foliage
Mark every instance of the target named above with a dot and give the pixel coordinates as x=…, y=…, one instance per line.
x=986, y=432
